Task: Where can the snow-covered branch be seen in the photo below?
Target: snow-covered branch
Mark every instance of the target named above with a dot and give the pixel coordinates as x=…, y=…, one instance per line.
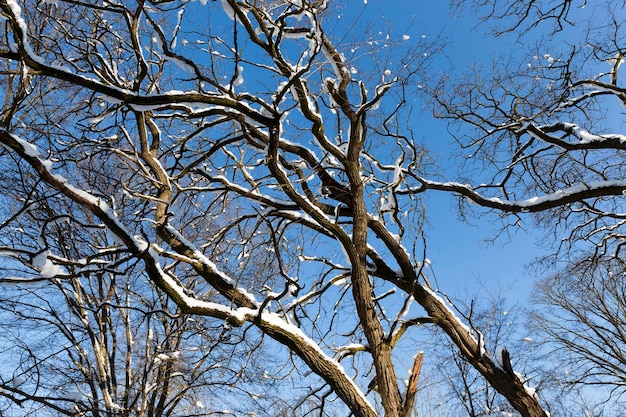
x=559, y=198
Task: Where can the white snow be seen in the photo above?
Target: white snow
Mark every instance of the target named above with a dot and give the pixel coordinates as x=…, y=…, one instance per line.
x=498, y=358
x=617, y=61
x=239, y=80
x=17, y=381
x=179, y=19
x=74, y=395
x=452, y=314
x=530, y=390
x=41, y=261
x=206, y=261
x=29, y=148
x=585, y=137
x=95, y=120
x=181, y=64
x=340, y=282
x=17, y=12
x=274, y=320
x=210, y=308
x=537, y=200
x=47, y=269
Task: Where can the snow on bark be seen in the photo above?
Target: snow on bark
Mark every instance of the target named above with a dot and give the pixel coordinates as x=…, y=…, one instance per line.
x=96, y=204
x=557, y=198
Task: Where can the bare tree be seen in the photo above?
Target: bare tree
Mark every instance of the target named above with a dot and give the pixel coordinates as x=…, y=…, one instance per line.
x=99, y=340
x=541, y=135
x=580, y=314
x=74, y=351
x=247, y=119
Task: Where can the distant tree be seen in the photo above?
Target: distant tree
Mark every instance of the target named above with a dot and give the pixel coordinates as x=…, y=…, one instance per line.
x=462, y=390
x=579, y=315
x=98, y=339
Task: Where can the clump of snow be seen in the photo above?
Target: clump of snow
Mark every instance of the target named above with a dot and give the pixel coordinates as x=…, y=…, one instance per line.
x=18, y=380
x=47, y=269
x=239, y=80
x=499, y=361
x=161, y=357
x=530, y=390
x=74, y=395
x=339, y=282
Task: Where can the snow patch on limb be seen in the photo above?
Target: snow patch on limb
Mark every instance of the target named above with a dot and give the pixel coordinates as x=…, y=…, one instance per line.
x=451, y=314
x=16, y=281
x=374, y=103
x=235, y=316
x=230, y=12
x=585, y=137
x=16, y=16
x=29, y=148
x=502, y=357
x=352, y=347
x=47, y=269
x=560, y=194
x=16, y=11
x=308, y=348
x=180, y=63
x=208, y=263
x=557, y=198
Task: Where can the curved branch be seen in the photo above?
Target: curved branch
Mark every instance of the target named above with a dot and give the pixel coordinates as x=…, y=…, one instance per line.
x=559, y=198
